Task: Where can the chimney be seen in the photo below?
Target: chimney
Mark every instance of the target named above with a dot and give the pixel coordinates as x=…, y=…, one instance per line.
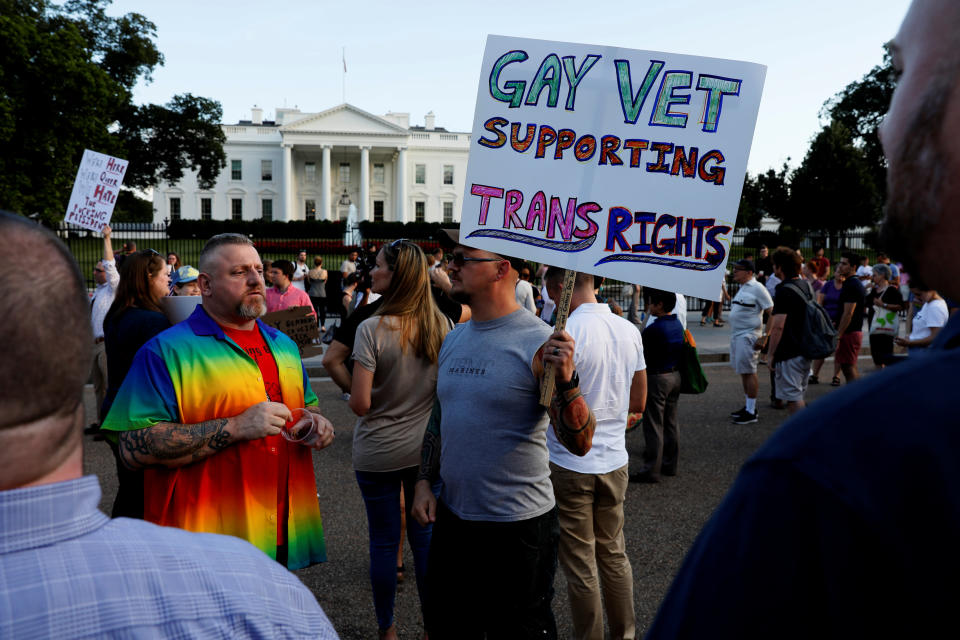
x=257, y=115
x=430, y=120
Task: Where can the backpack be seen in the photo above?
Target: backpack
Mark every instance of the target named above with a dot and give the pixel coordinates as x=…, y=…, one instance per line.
x=818, y=338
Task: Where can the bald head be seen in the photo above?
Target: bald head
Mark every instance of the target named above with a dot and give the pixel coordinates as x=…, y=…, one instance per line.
x=47, y=342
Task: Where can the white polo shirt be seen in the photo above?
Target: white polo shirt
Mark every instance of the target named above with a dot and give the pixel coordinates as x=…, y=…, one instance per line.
x=608, y=352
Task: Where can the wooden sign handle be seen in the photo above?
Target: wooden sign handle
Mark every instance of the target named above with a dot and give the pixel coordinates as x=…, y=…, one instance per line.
x=563, y=311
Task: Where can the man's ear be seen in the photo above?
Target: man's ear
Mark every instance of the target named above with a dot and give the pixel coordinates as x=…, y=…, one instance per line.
x=204, y=281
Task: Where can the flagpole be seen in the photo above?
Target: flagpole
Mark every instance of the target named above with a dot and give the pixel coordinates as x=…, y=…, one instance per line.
x=344, y=87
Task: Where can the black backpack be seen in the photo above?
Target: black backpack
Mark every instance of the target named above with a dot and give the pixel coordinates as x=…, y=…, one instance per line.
x=818, y=338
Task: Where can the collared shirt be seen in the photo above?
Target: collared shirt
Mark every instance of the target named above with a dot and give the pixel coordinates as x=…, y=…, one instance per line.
x=103, y=297
x=68, y=571
x=193, y=373
x=292, y=297
x=608, y=351
x=747, y=307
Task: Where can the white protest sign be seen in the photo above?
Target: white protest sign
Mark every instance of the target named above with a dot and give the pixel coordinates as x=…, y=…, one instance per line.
x=95, y=190
x=618, y=162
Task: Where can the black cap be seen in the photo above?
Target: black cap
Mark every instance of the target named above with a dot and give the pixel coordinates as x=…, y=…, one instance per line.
x=744, y=265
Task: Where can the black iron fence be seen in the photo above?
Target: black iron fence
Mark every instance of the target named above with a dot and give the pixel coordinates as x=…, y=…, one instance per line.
x=87, y=248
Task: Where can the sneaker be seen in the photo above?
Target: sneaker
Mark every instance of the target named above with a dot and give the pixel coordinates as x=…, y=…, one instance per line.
x=746, y=417
x=734, y=414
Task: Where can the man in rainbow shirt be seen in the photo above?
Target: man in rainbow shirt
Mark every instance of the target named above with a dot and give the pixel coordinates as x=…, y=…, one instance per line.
x=201, y=412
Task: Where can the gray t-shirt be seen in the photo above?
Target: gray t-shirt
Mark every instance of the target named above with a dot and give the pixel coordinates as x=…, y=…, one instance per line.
x=494, y=459
x=389, y=437
x=746, y=309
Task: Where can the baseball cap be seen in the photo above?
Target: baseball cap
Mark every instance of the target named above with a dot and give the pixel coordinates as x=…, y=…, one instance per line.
x=185, y=274
x=744, y=265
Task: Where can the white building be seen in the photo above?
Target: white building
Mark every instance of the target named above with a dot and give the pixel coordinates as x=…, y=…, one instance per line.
x=312, y=166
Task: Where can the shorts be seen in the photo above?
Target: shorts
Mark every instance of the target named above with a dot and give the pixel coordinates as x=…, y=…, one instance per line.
x=791, y=378
x=848, y=348
x=743, y=358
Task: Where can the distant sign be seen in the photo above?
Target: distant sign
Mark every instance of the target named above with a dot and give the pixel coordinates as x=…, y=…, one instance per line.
x=617, y=162
x=300, y=324
x=95, y=190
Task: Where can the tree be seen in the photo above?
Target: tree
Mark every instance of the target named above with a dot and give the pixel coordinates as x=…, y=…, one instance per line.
x=767, y=194
x=860, y=107
x=833, y=189
x=67, y=75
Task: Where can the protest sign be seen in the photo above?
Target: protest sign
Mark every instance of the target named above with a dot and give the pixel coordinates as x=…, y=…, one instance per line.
x=95, y=190
x=299, y=324
x=618, y=162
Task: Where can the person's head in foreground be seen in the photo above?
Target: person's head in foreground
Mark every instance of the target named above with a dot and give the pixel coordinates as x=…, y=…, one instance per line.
x=46, y=357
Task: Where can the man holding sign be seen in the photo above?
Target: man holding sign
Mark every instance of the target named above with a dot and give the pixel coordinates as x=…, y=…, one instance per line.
x=494, y=550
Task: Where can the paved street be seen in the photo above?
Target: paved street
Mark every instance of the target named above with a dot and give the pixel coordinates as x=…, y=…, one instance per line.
x=661, y=523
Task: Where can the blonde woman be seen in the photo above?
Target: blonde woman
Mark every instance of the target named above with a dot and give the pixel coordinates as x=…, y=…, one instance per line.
x=394, y=383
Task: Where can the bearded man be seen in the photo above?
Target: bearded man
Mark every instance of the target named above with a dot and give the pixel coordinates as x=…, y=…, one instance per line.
x=845, y=523
x=201, y=413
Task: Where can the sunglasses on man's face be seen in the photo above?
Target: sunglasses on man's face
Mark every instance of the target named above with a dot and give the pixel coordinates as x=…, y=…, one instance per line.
x=459, y=259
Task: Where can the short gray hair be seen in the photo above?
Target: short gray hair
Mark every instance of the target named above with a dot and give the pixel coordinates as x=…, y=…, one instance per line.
x=215, y=243
x=883, y=271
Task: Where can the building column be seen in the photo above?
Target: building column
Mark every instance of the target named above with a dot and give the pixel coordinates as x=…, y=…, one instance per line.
x=364, y=209
x=401, y=186
x=286, y=213
x=325, y=185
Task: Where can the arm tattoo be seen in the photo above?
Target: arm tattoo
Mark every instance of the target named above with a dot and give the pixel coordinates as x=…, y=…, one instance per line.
x=430, y=451
x=173, y=445
x=573, y=421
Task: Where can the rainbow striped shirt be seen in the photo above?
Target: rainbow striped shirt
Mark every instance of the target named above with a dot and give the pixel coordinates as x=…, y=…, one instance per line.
x=192, y=373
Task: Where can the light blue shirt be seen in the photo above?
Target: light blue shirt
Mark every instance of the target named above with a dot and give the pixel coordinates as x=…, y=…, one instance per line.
x=68, y=571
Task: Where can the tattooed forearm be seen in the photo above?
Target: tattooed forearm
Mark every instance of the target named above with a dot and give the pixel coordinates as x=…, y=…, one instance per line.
x=430, y=450
x=573, y=421
x=173, y=445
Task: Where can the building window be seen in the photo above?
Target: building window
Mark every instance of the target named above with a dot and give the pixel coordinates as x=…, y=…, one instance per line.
x=266, y=209
x=378, y=174
x=378, y=210
x=206, y=208
x=174, y=209
x=310, y=210
x=448, y=212
x=448, y=174
x=420, y=174
x=236, y=209
x=344, y=173
x=266, y=170
x=236, y=170
x=310, y=172
x=420, y=209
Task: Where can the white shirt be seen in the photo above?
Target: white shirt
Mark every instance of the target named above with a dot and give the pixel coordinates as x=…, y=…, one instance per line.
x=103, y=297
x=608, y=352
x=771, y=284
x=747, y=307
x=931, y=314
x=524, y=293
x=548, y=305
x=300, y=269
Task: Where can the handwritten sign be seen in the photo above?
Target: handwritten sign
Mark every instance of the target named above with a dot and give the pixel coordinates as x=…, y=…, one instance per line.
x=95, y=190
x=297, y=323
x=618, y=162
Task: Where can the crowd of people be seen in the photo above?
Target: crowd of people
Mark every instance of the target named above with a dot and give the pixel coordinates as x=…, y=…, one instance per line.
x=843, y=524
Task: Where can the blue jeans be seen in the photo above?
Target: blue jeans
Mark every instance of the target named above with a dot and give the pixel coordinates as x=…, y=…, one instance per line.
x=381, y=496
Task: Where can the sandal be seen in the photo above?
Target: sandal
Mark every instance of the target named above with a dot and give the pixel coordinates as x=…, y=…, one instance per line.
x=718, y=323
x=835, y=382
x=813, y=380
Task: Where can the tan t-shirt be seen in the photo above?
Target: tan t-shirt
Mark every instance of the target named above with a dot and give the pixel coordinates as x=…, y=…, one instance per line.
x=389, y=437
